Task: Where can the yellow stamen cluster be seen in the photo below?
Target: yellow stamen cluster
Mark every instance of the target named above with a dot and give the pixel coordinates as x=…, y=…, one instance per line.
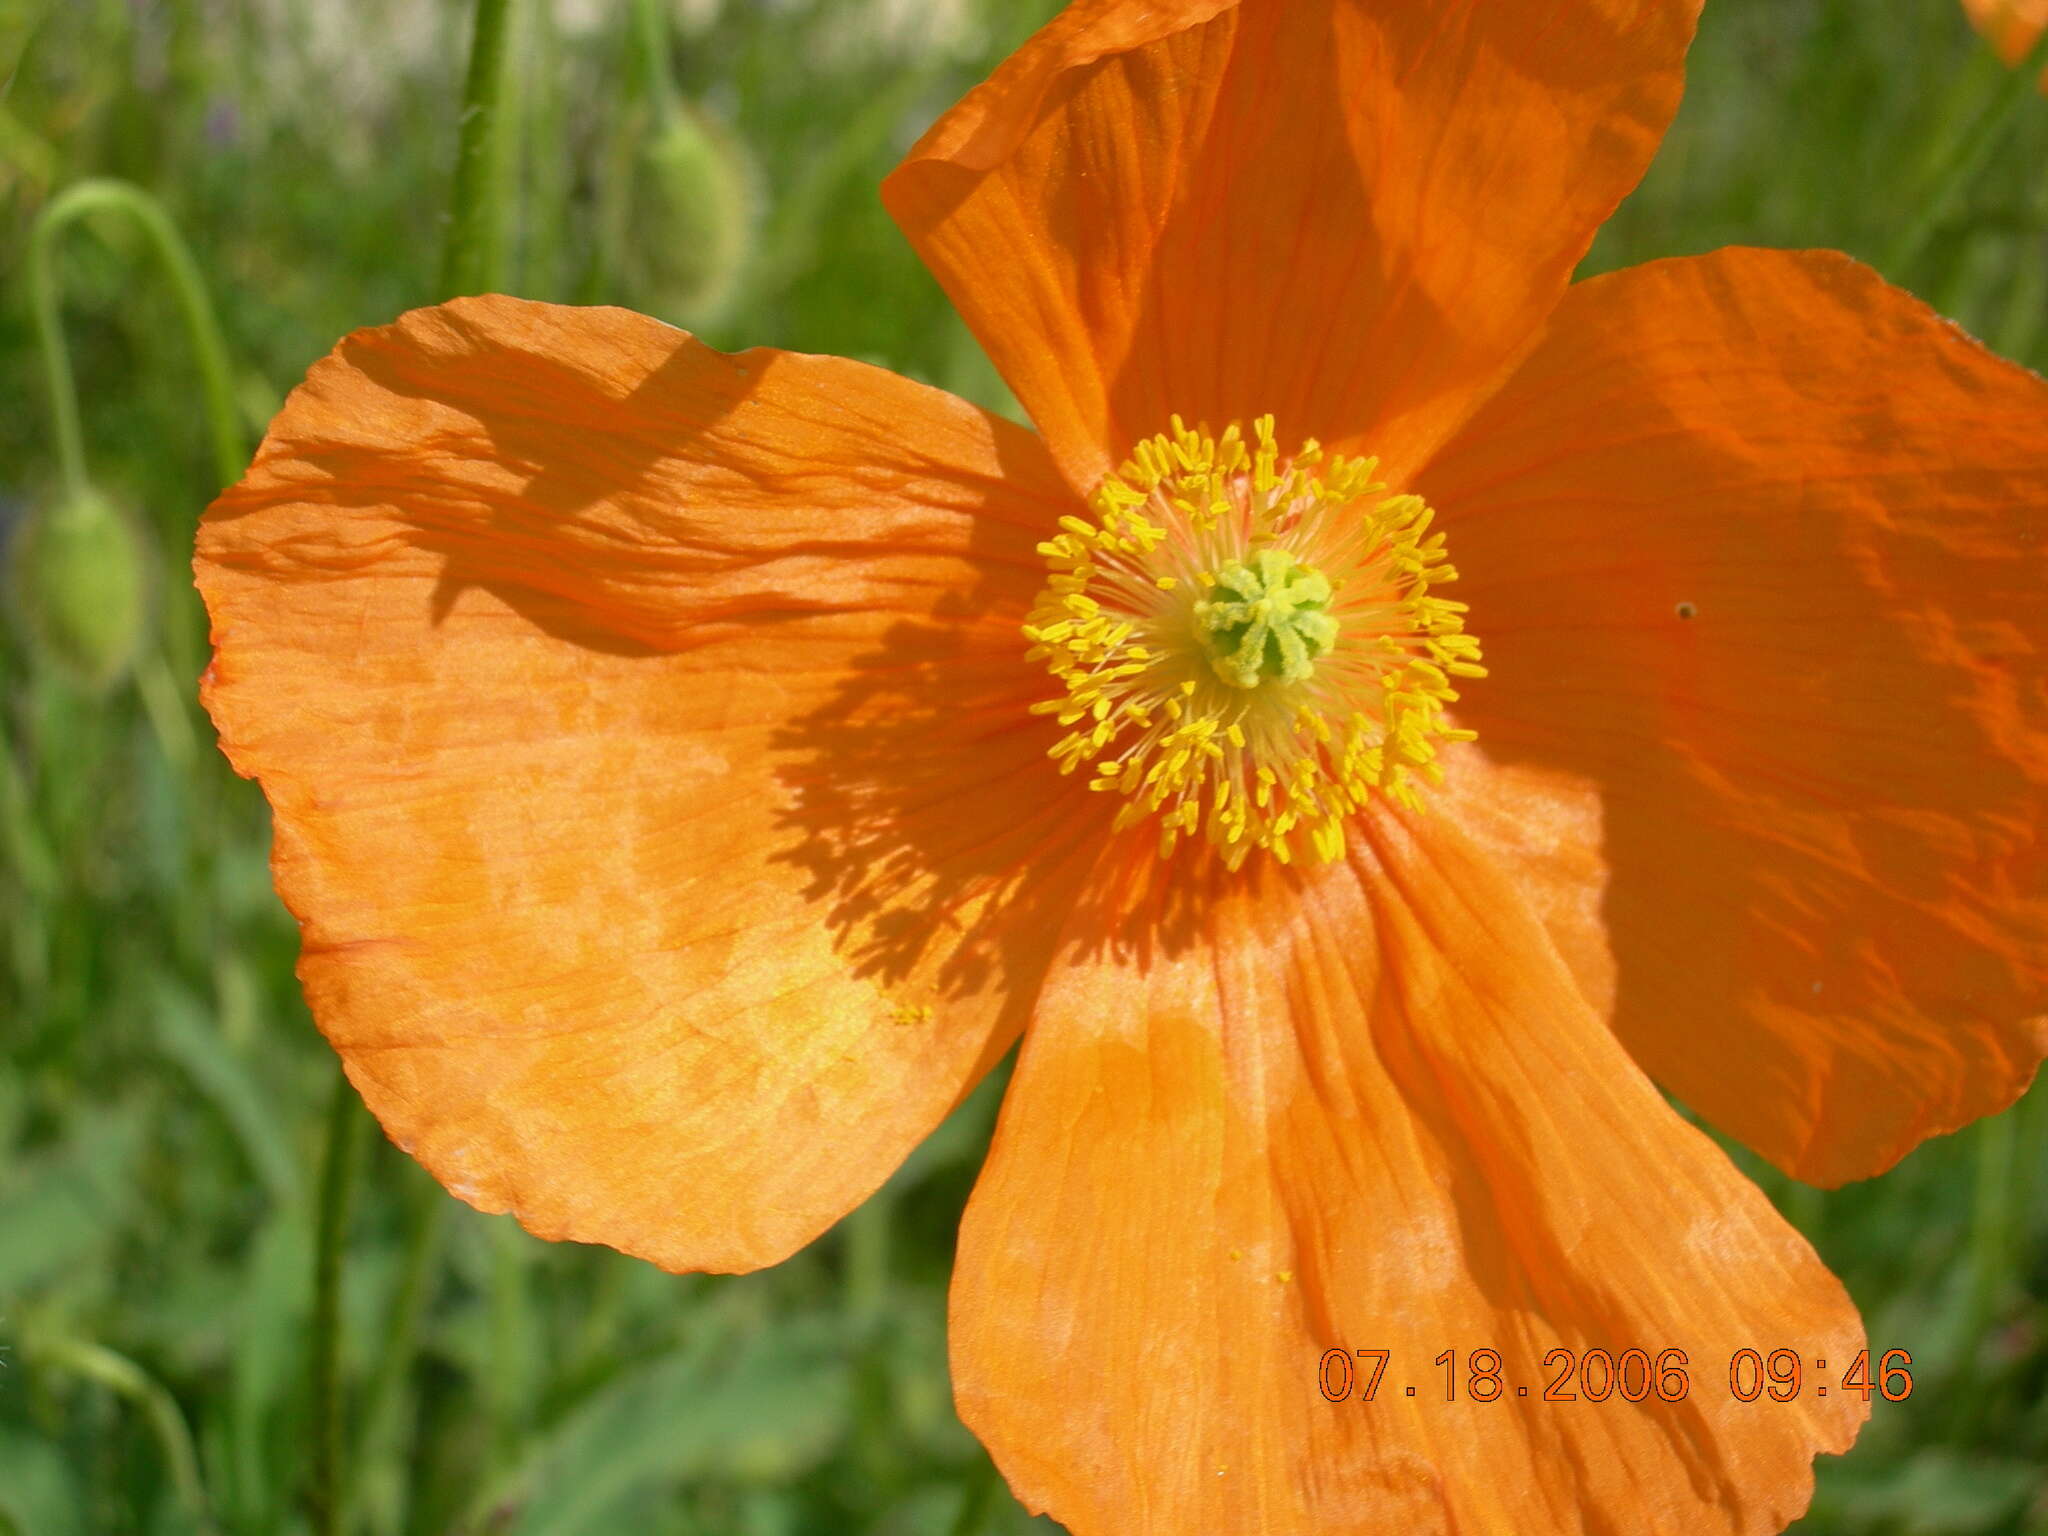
x=1249, y=647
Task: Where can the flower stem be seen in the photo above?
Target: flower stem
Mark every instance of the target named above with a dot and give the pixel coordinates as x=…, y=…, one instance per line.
x=123, y=1377
x=1967, y=159
x=386, y=1414
x=337, y=1194
x=230, y=447
x=509, y=1392
x=474, y=261
x=1991, y=1214
x=650, y=26
x=875, y=1451
x=56, y=361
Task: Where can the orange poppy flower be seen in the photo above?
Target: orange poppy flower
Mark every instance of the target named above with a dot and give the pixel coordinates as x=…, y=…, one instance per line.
x=2011, y=26
x=668, y=754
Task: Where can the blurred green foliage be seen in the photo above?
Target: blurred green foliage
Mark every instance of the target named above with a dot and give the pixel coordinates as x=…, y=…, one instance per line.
x=161, y=1087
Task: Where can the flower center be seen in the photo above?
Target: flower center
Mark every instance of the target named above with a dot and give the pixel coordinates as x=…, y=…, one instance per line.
x=1267, y=619
x=1249, y=647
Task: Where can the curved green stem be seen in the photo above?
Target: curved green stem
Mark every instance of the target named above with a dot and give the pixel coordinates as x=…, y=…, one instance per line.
x=337, y=1193
x=474, y=261
x=42, y=297
x=122, y=1376
x=1968, y=158
x=650, y=26
x=230, y=447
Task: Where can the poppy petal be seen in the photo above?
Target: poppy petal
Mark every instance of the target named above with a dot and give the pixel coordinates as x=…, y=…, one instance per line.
x=646, y=742
x=1755, y=544
x=1350, y=215
x=1366, y=1108
x=1541, y=827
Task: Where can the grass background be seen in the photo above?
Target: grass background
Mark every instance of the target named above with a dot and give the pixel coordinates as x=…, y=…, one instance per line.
x=162, y=1091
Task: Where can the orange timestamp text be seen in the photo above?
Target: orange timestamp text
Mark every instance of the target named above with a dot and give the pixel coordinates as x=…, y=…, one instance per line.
x=1633, y=1376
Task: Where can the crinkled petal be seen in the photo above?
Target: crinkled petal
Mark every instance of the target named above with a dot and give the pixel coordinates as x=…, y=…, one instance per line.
x=1755, y=544
x=644, y=729
x=1352, y=215
x=1367, y=1108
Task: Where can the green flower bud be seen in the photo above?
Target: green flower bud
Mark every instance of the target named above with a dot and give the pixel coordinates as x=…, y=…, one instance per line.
x=82, y=582
x=692, y=219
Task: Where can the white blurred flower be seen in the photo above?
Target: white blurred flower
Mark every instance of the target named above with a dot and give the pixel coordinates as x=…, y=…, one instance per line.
x=577, y=18
x=857, y=33
x=354, y=53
